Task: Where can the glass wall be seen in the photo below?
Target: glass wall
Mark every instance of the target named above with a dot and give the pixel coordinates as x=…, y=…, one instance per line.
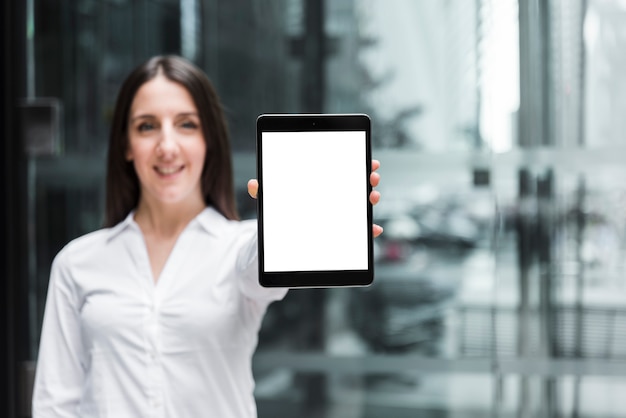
x=499, y=286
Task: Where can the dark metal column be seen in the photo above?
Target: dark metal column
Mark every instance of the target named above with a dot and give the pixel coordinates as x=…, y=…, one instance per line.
x=534, y=238
x=12, y=220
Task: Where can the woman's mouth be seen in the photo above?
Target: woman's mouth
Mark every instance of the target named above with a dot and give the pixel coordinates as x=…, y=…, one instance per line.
x=169, y=170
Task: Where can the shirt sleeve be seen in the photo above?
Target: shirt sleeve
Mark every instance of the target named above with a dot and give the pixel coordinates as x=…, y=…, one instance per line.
x=60, y=371
x=248, y=267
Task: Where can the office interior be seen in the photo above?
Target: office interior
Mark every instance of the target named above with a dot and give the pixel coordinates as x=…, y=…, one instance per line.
x=500, y=286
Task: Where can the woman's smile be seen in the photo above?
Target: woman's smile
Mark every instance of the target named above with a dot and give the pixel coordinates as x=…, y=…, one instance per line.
x=169, y=171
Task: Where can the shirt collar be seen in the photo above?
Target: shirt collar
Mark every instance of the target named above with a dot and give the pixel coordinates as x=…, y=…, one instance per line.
x=212, y=221
x=127, y=222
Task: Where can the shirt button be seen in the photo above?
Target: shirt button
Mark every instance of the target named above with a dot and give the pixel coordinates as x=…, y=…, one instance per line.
x=155, y=403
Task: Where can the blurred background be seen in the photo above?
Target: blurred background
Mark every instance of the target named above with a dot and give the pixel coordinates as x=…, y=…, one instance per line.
x=500, y=285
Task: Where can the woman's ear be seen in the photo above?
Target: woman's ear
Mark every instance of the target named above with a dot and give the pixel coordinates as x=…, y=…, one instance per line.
x=129, y=155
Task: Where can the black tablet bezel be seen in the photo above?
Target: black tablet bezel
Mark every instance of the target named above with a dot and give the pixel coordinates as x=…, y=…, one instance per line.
x=304, y=123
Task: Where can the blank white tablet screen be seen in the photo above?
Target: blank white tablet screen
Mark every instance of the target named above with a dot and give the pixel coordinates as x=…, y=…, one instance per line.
x=314, y=201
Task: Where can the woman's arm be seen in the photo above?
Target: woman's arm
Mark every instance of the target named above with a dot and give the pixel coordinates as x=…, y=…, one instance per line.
x=59, y=374
x=248, y=267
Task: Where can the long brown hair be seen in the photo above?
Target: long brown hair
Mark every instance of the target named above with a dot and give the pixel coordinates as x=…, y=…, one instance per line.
x=122, y=183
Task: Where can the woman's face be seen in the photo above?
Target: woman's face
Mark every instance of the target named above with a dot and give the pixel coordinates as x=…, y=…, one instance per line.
x=166, y=143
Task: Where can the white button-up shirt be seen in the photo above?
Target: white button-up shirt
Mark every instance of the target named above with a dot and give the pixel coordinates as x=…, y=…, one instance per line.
x=116, y=344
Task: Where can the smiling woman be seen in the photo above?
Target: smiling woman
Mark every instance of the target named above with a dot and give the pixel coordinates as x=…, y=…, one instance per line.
x=158, y=312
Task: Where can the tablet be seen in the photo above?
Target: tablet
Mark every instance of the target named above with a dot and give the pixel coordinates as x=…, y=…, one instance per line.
x=314, y=213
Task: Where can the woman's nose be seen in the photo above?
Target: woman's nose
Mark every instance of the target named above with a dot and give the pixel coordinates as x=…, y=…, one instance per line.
x=167, y=144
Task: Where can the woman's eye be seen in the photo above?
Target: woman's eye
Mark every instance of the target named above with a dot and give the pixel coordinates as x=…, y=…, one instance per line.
x=189, y=125
x=145, y=127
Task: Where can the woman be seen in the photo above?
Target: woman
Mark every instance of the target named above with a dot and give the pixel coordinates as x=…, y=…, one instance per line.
x=158, y=313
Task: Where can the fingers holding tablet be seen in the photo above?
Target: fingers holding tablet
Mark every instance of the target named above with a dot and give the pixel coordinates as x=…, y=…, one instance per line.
x=374, y=197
